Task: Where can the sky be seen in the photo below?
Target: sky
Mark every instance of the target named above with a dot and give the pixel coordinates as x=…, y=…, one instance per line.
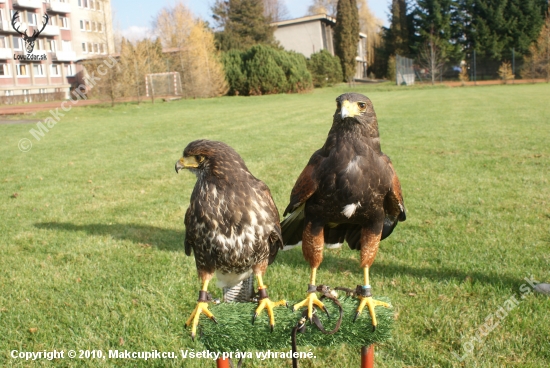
x=134, y=17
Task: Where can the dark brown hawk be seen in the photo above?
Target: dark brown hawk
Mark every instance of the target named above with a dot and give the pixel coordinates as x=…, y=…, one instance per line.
x=232, y=224
x=348, y=191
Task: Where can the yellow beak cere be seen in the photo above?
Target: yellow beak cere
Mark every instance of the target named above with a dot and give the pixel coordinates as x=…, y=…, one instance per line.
x=349, y=110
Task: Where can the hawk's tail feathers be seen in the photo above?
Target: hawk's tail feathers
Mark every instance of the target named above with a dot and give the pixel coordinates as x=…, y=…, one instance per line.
x=292, y=228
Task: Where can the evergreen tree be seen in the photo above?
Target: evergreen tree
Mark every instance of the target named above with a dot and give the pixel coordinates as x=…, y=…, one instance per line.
x=395, y=40
x=346, y=36
x=497, y=26
x=397, y=37
x=244, y=24
x=325, y=69
x=437, y=20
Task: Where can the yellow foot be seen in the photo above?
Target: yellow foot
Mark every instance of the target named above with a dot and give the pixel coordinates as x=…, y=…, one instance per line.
x=202, y=307
x=266, y=303
x=370, y=303
x=309, y=302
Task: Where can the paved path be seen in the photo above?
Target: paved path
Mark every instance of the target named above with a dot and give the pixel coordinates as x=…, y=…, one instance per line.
x=5, y=122
x=42, y=106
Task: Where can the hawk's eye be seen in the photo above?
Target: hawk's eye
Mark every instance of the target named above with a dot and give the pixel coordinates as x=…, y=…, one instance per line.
x=362, y=105
x=199, y=159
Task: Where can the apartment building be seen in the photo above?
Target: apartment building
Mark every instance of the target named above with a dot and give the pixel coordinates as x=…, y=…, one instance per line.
x=75, y=30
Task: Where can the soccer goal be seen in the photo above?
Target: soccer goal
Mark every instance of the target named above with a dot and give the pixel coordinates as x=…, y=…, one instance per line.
x=404, y=71
x=163, y=84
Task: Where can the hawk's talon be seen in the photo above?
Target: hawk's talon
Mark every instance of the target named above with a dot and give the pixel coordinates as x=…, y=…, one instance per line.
x=202, y=307
x=371, y=304
x=309, y=301
x=266, y=303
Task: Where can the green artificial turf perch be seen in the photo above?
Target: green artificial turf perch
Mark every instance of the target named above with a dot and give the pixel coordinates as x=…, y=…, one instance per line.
x=234, y=330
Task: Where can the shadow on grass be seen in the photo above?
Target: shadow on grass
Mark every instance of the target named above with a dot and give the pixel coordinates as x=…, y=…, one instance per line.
x=172, y=240
x=341, y=263
x=163, y=239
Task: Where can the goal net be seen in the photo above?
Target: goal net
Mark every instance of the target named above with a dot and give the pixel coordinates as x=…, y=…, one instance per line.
x=163, y=84
x=404, y=71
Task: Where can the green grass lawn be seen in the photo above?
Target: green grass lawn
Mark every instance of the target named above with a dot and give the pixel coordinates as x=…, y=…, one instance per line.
x=91, y=246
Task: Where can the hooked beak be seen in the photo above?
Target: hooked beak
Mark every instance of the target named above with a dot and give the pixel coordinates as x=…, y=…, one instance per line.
x=349, y=110
x=186, y=163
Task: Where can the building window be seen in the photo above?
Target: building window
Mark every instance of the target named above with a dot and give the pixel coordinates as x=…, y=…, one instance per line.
x=96, y=48
x=88, y=26
x=69, y=70
x=102, y=48
x=5, y=70
x=38, y=70
x=52, y=46
x=90, y=47
x=92, y=4
x=16, y=43
x=21, y=70
x=84, y=47
x=42, y=91
x=80, y=3
x=3, y=42
x=65, y=23
x=31, y=18
x=56, y=70
x=82, y=25
x=85, y=2
x=100, y=27
x=97, y=5
x=94, y=26
x=8, y=93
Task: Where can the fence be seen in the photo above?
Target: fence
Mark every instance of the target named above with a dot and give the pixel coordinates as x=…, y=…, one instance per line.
x=35, y=97
x=477, y=68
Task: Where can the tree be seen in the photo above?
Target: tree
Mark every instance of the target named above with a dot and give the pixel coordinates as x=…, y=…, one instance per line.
x=194, y=54
x=431, y=57
x=437, y=18
x=397, y=37
x=537, y=63
x=372, y=27
x=323, y=7
x=264, y=70
x=325, y=69
x=275, y=10
x=243, y=24
x=496, y=27
x=346, y=36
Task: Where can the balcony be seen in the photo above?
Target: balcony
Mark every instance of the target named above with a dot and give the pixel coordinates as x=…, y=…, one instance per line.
x=50, y=31
x=5, y=26
x=6, y=54
x=32, y=4
x=64, y=56
x=57, y=7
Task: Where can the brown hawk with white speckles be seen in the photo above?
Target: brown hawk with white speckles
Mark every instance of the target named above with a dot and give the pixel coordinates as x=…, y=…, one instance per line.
x=348, y=191
x=232, y=224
